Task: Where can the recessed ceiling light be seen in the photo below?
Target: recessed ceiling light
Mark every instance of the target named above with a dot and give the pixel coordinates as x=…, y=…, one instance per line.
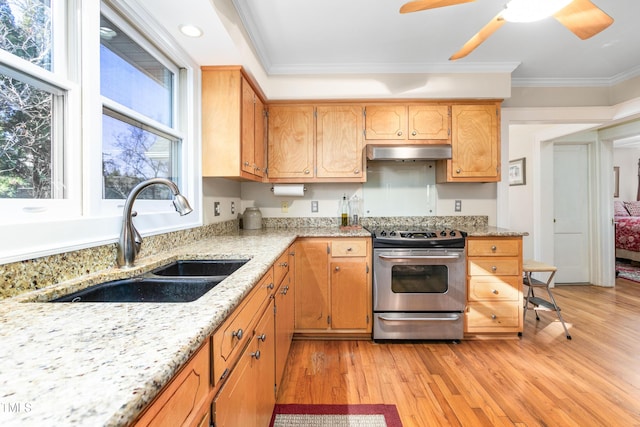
x=190, y=30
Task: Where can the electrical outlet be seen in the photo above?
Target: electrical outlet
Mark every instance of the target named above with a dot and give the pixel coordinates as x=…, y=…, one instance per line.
x=233, y=208
x=458, y=206
x=216, y=208
x=314, y=206
x=284, y=206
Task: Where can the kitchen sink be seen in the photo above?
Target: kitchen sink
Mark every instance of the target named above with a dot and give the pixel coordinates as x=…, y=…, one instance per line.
x=145, y=289
x=216, y=267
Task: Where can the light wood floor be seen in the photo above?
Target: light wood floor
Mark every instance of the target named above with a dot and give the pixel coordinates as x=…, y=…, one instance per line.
x=542, y=379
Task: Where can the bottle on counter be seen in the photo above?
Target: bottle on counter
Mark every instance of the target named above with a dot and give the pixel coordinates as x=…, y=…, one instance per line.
x=344, y=211
x=354, y=208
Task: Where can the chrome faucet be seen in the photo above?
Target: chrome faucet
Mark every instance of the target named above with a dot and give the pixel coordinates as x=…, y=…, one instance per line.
x=130, y=239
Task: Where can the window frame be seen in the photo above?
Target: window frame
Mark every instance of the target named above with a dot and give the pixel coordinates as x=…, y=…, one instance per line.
x=81, y=220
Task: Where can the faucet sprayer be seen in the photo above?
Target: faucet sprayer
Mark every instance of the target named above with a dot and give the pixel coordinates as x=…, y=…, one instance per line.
x=130, y=239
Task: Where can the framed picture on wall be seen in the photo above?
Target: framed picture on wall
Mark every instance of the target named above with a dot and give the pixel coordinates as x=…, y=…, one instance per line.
x=517, y=172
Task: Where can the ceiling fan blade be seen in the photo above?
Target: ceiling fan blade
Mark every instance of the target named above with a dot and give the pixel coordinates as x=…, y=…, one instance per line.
x=583, y=18
x=479, y=37
x=416, y=5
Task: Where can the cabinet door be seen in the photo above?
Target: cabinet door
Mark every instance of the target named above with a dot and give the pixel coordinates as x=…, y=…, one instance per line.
x=312, y=285
x=265, y=379
x=290, y=141
x=339, y=141
x=248, y=128
x=284, y=325
x=386, y=122
x=349, y=294
x=429, y=122
x=474, y=143
x=259, y=139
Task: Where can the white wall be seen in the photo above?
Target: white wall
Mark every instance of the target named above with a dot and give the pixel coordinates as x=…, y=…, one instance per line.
x=627, y=160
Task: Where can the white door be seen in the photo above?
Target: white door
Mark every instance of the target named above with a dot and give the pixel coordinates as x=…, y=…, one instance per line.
x=571, y=213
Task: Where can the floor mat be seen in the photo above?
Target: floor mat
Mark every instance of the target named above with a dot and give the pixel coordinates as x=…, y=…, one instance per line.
x=294, y=415
x=628, y=271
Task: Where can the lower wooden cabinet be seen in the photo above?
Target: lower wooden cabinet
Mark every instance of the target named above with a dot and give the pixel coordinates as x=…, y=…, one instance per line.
x=185, y=401
x=494, y=285
x=247, y=398
x=333, y=286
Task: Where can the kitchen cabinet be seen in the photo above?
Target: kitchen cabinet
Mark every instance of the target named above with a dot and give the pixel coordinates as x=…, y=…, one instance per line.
x=290, y=142
x=284, y=304
x=233, y=125
x=475, y=145
x=247, y=398
x=333, y=287
x=494, y=285
x=401, y=123
x=315, y=143
x=185, y=400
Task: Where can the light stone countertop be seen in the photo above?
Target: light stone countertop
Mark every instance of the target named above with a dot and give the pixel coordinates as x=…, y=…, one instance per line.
x=100, y=364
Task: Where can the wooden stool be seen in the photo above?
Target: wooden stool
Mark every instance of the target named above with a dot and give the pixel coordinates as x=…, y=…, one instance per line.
x=539, y=304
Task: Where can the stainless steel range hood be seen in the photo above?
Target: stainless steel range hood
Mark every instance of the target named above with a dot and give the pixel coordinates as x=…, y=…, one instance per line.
x=409, y=152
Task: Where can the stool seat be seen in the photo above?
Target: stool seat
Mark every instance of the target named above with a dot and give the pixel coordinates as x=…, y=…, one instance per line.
x=536, y=303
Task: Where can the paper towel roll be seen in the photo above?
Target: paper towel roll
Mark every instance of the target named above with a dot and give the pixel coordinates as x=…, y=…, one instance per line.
x=292, y=190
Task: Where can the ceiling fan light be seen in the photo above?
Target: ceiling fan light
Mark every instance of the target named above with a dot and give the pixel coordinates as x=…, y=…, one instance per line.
x=532, y=10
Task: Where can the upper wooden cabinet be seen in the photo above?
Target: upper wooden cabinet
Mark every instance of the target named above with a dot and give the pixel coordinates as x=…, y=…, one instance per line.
x=233, y=125
x=290, y=139
x=322, y=143
x=408, y=123
x=475, y=145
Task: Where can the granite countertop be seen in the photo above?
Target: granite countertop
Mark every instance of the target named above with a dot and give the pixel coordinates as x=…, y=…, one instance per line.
x=491, y=231
x=100, y=364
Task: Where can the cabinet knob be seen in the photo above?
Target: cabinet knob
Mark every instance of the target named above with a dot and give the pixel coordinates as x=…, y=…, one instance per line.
x=494, y=268
x=414, y=133
x=494, y=291
x=356, y=171
x=493, y=316
x=494, y=248
x=400, y=133
x=237, y=334
x=337, y=268
x=349, y=249
x=262, y=337
x=458, y=170
x=256, y=354
x=270, y=285
x=246, y=163
x=307, y=171
x=284, y=264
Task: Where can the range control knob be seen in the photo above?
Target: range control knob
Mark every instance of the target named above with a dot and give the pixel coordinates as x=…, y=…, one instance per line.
x=383, y=233
x=452, y=233
x=393, y=233
x=443, y=233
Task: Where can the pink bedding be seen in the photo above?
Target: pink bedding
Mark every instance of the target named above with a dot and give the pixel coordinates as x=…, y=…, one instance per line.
x=628, y=233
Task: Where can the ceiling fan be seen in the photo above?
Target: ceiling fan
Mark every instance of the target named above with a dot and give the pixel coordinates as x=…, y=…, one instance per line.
x=581, y=17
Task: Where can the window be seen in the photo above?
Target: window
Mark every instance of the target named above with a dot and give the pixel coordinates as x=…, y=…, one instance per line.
x=91, y=104
x=30, y=105
x=138, y=139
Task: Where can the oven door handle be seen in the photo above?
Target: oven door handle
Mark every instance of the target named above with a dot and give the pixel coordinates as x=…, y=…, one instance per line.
x=413, y=257
x=452, y=318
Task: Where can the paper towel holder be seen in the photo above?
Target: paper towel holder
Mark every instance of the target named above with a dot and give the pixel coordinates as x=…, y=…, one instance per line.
x=304, y=188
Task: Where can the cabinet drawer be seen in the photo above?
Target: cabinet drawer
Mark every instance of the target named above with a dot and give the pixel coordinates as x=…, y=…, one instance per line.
x=493, y=247
x=482, y=315
x=494, y=266
x=349, y=247
x=237, y=329
x=494, y=288
x=281, y=268
x=184, y=399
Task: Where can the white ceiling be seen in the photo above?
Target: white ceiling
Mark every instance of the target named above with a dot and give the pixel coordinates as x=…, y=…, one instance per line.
x=370, y=36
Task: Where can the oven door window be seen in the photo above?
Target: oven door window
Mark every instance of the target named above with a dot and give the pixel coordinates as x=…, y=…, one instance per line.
x=423, y=279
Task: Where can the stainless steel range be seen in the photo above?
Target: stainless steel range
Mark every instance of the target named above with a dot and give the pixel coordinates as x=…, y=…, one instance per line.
x=419, y=283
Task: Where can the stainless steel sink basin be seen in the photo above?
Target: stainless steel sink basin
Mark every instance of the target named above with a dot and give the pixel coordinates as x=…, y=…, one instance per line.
x=216, y=267
x=145, y=289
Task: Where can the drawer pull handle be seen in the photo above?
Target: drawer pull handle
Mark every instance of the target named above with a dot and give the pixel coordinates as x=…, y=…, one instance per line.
x=493, y=316
x=494, y=291
x=262, y=337
x=256, y=354
x=270, y=285
x=238, y=334
x=494, y=268
x=349, y=249
x=284, y=264
x=494, y=248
